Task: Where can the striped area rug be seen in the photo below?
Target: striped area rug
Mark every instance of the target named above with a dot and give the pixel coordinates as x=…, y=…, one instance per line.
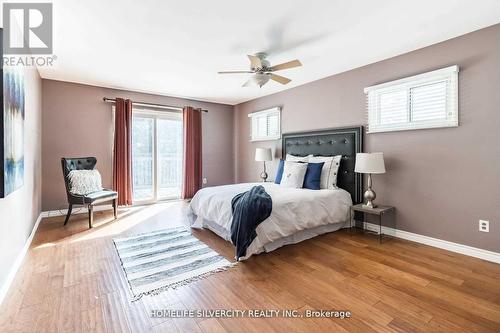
x=164, y=259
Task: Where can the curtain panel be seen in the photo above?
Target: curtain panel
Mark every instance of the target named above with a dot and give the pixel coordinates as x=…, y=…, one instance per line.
x=122, y=155
x=192, y=152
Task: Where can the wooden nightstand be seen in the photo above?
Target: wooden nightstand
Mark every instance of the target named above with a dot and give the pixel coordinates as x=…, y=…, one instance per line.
x=380, y=211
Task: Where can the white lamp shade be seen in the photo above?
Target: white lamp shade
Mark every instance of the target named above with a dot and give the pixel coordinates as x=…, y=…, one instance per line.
x=370, y=163
x=263, y=154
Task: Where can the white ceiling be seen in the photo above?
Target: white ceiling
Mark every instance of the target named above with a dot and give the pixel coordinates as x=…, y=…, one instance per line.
x=176, y=47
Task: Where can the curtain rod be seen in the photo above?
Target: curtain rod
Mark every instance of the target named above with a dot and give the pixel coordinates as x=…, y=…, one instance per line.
x=160, y=106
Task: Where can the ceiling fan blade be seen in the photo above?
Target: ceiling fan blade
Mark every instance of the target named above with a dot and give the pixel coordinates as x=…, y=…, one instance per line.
x=286, y=65
x=249, y=83
x=254, y=62
x=234, y=72
x=280, y=79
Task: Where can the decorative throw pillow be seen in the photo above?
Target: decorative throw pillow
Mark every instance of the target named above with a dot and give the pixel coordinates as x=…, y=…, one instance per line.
x=293, y=174
x=279, y=173
x=294, y=158
x=312, y=179
x=330, y=170
x=83, y=182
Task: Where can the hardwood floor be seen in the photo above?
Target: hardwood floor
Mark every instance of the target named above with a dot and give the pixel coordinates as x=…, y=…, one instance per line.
x=71, y=281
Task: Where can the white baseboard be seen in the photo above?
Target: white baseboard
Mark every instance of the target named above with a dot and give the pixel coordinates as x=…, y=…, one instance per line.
x=19, y=260
x=76, y=210
x=439, y=243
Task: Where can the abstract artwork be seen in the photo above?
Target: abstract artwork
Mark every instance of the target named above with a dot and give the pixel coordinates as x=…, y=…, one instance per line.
x=12, y=132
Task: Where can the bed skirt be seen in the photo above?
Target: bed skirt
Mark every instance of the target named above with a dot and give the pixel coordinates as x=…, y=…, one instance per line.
x=255, y=247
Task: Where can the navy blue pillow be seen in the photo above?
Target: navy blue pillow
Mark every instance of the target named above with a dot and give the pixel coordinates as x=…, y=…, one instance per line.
x=279, y=173
x=313, y=176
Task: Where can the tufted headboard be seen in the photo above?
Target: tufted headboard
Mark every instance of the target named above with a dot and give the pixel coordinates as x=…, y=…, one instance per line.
x=345, y=141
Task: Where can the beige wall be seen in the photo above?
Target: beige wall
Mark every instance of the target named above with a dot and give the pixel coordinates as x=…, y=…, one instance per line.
x=20, y=210
x=442, y=181
x=76, y=122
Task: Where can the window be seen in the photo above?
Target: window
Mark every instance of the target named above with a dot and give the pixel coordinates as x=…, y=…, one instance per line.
x=266, y=124
x=427, y=100
x=157, y=153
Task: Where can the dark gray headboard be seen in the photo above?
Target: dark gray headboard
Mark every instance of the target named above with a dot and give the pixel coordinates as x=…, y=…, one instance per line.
x=345, y=141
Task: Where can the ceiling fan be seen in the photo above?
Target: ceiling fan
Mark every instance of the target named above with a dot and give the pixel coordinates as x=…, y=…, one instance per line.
x=263, y=71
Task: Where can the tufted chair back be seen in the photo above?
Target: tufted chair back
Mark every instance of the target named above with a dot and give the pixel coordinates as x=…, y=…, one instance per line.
x=80, y=163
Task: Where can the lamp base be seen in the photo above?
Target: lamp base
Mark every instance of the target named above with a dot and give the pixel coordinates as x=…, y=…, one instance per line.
x=370, y=196
x=263, y=176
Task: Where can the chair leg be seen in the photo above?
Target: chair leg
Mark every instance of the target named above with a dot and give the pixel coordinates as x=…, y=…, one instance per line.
x=70, y=208
x=91, y=216
x=114, y=208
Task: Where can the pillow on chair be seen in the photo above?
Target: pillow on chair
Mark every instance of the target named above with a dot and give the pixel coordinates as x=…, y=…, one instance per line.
x=83, y=182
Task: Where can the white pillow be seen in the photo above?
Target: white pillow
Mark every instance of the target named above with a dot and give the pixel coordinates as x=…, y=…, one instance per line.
x=293, y=174
x=83, y=182
x=329, y=171
x=293, y=158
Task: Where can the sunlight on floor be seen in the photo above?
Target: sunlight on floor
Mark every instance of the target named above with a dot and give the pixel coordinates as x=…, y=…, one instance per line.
x=45, y=245
x=133, y=217
x=158, y=216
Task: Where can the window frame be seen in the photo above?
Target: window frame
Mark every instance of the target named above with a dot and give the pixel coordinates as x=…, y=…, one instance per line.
x=254, y=118
x=155, y=114
x=373, y=94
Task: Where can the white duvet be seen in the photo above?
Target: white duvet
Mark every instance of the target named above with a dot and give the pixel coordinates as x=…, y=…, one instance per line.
x=294, y=211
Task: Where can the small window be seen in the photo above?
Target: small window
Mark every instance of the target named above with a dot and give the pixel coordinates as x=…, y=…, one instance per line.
x=266, y=124
x=427, y=100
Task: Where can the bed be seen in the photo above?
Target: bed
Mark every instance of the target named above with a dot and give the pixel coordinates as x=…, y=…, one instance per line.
x=297, y=214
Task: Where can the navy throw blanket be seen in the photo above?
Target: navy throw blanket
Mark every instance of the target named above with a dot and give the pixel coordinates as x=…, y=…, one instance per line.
x=249, y=209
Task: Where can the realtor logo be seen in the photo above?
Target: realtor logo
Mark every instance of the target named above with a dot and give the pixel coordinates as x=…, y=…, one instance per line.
x=27, y=28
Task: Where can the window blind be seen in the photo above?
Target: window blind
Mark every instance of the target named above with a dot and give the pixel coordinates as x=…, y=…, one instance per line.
x=265, y=125
x=427, y=100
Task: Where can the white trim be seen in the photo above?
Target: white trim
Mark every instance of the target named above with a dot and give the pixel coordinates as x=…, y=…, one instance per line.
x=271, y=110
x=267, y=138
x=151, y=112
x=423, y=76
x=436, y=242
x=413, y=126
x=76, y=210
x=4, y=289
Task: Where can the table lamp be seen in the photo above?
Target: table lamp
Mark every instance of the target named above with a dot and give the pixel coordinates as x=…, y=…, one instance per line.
x=263, y=155
x=370, y=163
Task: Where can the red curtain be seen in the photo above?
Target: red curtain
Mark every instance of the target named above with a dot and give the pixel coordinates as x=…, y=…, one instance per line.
x=192, y=151
x=122, y=157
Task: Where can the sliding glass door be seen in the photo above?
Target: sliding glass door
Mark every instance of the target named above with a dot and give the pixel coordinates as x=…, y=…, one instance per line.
x=157, y=148
x=170, y=153
x=143, y=158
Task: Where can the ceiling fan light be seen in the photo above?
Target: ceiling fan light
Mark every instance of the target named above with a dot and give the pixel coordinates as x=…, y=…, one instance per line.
x=261, y=79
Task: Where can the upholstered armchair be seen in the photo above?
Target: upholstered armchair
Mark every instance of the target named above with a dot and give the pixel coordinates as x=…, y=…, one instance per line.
x=91, y=199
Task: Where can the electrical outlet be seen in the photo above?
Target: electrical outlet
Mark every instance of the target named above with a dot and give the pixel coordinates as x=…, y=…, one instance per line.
x=484, y=226
x=205, y=181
